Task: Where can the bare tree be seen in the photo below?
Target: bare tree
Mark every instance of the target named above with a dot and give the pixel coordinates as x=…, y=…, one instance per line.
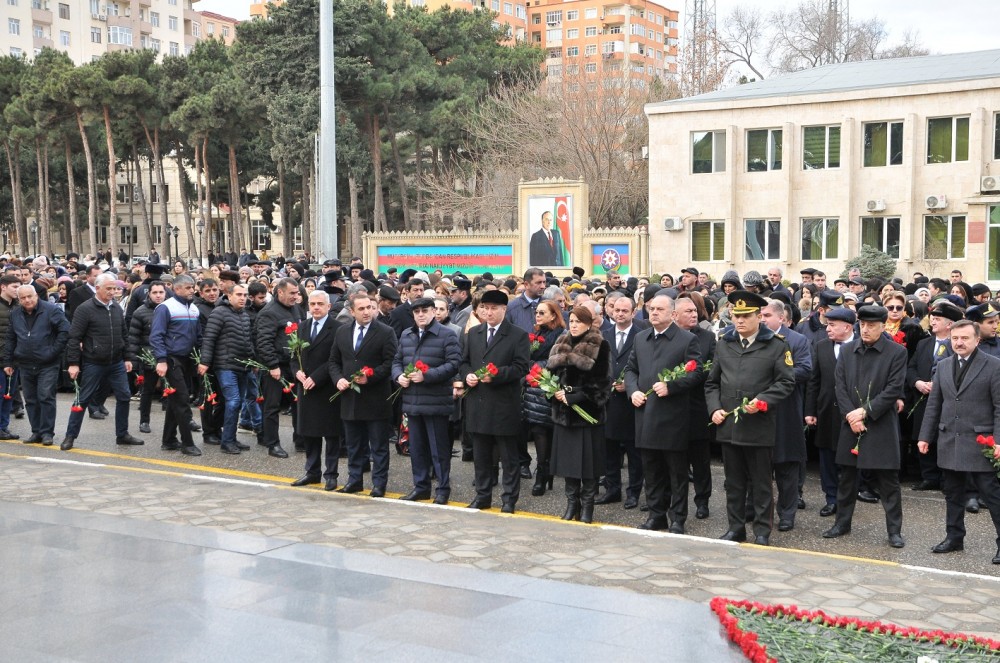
x=742, y=34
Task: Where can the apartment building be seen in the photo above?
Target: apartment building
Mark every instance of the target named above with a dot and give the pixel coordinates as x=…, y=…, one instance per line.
x=803, y=170
x=639, y=40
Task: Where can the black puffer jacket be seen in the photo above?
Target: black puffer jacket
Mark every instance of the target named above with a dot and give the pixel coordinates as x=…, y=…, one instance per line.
x=5, y=309
x=440, y=350
x=227, y=338
x=98, y=334
x=270, y=339
x=139, y=327
x=204, y=311
x=583, y=366
x=537, y=409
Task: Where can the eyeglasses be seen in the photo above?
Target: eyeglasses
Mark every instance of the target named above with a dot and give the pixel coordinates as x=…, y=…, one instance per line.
x=894, y=308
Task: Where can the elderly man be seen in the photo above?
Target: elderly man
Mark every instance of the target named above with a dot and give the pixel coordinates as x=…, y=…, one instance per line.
x=964, y=404
x=36, y=339
x=271, y=342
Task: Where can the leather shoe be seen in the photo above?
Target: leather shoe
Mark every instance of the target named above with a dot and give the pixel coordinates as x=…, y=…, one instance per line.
x=351, y=488
x=128, y=439
x=47, y=440
x=7, y=435
x=195, y=426
x=734, y=536
x=761, y=540
x=836, y=531
x=213, y=439
x=785, y=525
x=508, y=507
x=306, y=480
x=676, y=528
x=95, y=414
x=630, y=503
x=525, y=472
x=609, y=498
x=466, y=456
x=927, y=485
x=828, y=510
x=67, y=443
x=479, y=504
x=972, y=506
x=801, y=505
x=868, y=496
x=34, y=438
x=996, y=558
x=655, y=523
x=331, y=485
x=949, y=545
x=230, y=449
x=377, y=492
x=190, y=450
x=242, y=447
x=144, y=428
x=276, y=451
x=440, y=499
x=702, y=512
x=415, y=495
x=170, y=446
x=644, y=507
x=896, y=541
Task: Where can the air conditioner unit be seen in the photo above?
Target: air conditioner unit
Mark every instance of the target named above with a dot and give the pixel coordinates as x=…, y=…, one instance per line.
x=102, y=17
x=672, y=223
x=96, y=17
x=989, y=183
x=936, y=202
x=876, y=206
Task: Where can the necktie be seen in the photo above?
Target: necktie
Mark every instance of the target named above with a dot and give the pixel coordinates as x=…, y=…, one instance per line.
x=489, y=337
x=746, y=343
x=961, y=365
x=361, y=336
x=621, y=342
x=550, y=239
x=315, y=330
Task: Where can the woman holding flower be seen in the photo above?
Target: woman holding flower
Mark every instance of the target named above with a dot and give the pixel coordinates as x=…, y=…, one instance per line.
x=580, y=360
x=549, y=325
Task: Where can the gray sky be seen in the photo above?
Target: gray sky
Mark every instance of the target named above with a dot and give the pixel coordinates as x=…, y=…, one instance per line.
x=239, y=9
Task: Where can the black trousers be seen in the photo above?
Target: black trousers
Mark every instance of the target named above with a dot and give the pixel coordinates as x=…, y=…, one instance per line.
x=748, y=468
x=274, y=397
x=955, y=495
x=886, y=482
x=616, y=450
x=212, y=416
x=786, y=479
x=483, y=446
x=666, y=476
x=316, y=460
x=700, y=458
x=178, y=419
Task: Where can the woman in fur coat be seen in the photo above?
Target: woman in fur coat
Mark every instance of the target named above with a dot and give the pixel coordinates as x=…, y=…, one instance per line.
x=581, y=362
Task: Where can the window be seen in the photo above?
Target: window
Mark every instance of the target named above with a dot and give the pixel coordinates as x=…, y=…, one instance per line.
x=63, y=38
x=95, y=6
x=553, y=36
x=14, y=26
x=883, y=144
x=102, y=234
x=554, y=70
x=17, y=52
x=996, y=137
x=947, y=139
x=944, y=237
x=175, y=48
x=882, y=234
x=614, y=30
x=120, y=35
x=210, y=28
x=63, y=10
x=573, y=34
x=196, y=29
x=708, y=240
x=553, y=17
x=610, y=46
x=763, y=150
x=155, y=45
x=508, y=8
x=12, y=3
x=172, y=3
x=819, y=239
x=590, y=67
x=590, y=49
x=172, y=23
x=572, y=51
x=573, y=69
x=590, y=13
x=225, y=33
x=993, y=244
x=37, y=32
x=95, y=35
x=154, y=18
x=821, y=147
x=763, y=239
x=536, y=19
x=708, y=152
x=572, y=15
x=127, y=235
x=112, y=9
x=590, y=32
x=520, y=11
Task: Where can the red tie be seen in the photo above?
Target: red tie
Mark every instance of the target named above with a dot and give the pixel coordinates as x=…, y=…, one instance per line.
x=551, y=245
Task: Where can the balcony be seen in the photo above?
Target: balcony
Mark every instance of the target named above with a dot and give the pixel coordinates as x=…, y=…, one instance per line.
x=613, y=19
x=42, y=42
x=42, y=16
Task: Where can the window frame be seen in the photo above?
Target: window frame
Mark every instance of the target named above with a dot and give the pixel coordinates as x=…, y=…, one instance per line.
x=996, y=136
x=716, y=251
x=828, y=129
x=715, y=168
x=950, y=235
x=867, y=144
x=769, y=252
x=884, y=221
x=769, y=147
x=827, y=252
x=955, y=119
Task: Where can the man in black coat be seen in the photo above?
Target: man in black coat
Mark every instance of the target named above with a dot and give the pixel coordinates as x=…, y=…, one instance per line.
x=212, y=413
x=366, y=411
x=138, y=340
x=663, y=412
x=619, y=428
x=319, y=418
x=493, y=402
x=271, y=342
x=401, y=317
x=77, y=296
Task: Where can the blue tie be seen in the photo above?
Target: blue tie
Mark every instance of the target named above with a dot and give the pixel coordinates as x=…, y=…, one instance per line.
x=361, y=336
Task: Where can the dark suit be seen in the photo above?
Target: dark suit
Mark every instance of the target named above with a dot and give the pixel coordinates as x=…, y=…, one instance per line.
x=77, y=296
x=493, y=410
x=821, y=402
x=702, y=434
x=318, y=418
x=789, y=440
x=922, y=366
x=401, y=318
x=960, y=407
x=662, y=425
x=366, y=414
x=619, y=428
x=542, y=253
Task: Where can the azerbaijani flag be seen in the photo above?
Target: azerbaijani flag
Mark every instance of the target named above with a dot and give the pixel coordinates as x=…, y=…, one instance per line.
x=561, y=215
x=469, y=259
x=605, y=257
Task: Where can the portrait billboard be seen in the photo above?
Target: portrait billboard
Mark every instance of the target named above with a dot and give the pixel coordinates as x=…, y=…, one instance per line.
x=550, y=231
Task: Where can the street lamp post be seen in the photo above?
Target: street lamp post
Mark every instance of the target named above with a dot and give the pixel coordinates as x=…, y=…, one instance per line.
x=201, y=228
x=175, y=231
x=34, y=236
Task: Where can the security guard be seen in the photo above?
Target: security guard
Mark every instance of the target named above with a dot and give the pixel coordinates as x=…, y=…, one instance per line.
x=753, y=370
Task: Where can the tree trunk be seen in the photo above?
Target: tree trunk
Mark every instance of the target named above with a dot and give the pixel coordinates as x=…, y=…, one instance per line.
x=40, y=198
x=356, y=230
x=130, y=199
x=74, y=222
x=112, y=185
x=419, y=217
x=164, y=218
x=147, y=223
x=286, y=213
x=235, y=206
x=306, y=208
x=91, y=187
x=14, y=168
x=404, y=198
x=206, y=209
x=183, y=198
x=376, y=149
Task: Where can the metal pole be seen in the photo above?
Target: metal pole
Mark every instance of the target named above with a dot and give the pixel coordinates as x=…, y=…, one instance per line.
x=326, y=191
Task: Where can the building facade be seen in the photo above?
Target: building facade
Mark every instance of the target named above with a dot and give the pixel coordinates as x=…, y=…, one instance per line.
x=803, y=170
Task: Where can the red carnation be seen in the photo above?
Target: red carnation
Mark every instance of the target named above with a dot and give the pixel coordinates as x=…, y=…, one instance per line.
x=691, y=366
x=762, y=406
x=287, y=390
x=260, y=399
x=291, y=327
x=854, y=451
x=77, y=408
x=7, y=397
x=139, y=380
x=985, y=440
x=201, y=407
x=421, y=366
x=492, y=369
x=367, y=371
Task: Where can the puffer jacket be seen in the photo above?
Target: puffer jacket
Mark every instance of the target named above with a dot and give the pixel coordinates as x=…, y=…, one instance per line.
x=583, y=366
x=139, y=328
x=227, y=338
x=440, y=350
x=5, y=309
x=36, y=340
x=270, y=339
x=97, y=334
x=204, y=311
x=537, y=409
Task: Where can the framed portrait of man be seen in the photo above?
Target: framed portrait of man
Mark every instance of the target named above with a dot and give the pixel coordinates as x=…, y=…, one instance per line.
x=550, y=231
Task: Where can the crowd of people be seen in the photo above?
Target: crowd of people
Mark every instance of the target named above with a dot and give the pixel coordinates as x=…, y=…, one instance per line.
x=884, y=379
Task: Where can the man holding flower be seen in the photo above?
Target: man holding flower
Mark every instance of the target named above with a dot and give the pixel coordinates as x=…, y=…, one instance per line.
x=425, y=364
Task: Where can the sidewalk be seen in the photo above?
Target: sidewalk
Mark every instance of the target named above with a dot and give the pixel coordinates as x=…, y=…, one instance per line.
x=679, y=567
